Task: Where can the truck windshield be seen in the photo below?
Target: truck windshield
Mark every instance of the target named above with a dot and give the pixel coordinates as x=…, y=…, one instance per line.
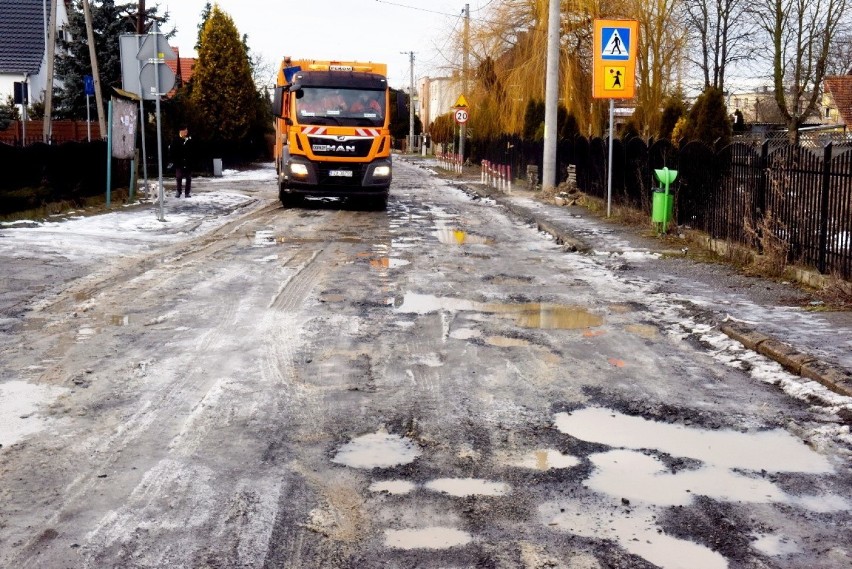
x=348, y=107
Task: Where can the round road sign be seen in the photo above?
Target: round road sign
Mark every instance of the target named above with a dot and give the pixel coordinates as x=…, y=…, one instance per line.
x=462, y=116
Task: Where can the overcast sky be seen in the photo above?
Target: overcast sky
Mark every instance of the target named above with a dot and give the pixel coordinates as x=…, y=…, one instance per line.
x=368, y=30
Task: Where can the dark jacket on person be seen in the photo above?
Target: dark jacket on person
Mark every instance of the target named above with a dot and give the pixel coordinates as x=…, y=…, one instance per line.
x=181, y=152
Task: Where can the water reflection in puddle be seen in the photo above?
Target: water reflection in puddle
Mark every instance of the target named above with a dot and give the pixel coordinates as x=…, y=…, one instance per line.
x=388, y=263
x=528, y=315
x=776, y=451
x=731, y=468
x=396, y=487
x=450, y=236
x=264, y=238
x=377, y=450
x=506, y=342
x=635, y=532
x=643, y=331
x=545, y=459
x=119, y=320
x=426, y=538
x=461, y=487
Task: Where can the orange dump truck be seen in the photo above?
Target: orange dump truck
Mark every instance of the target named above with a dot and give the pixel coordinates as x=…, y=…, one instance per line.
x=331, y=131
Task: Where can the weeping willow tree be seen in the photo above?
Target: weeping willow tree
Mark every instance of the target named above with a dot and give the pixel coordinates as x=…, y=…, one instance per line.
x=661, y=43
x=508, y=46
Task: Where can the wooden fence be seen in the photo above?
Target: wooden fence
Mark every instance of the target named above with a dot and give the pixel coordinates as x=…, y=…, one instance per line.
x=61, y=131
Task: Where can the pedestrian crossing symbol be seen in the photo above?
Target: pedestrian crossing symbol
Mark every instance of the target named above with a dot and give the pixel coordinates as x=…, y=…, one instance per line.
x=615, y=44
x=616, y=78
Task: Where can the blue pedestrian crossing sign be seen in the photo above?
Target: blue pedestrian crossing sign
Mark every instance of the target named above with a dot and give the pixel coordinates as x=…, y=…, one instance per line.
x=615, y=44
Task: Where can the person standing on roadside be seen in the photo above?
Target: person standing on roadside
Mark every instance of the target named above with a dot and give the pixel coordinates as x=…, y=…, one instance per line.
x=180, y=155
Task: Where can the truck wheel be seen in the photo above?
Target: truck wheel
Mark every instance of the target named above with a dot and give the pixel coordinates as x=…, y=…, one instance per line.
x=288, y=199
x=377, y=203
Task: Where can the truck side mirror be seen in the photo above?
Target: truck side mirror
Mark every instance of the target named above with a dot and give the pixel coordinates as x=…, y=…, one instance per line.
x=278, y=102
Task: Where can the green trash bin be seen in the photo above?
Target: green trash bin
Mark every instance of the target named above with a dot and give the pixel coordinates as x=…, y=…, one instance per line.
x=662, y=207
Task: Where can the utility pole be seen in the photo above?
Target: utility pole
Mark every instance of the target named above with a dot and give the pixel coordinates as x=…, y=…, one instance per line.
x=140, y=18
x=96, y=76
x=551, y=97
x=411, y=103
x=50, y=40
x=463, y=128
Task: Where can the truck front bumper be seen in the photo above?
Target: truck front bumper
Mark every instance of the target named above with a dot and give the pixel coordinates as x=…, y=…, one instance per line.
x=302, y=176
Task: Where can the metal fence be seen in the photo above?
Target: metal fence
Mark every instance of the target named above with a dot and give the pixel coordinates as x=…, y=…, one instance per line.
x=799, y=197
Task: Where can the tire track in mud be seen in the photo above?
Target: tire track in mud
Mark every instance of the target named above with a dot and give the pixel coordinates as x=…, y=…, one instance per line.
x=110, y=288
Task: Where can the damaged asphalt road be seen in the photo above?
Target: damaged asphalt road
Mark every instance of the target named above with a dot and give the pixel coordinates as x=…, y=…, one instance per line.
x=438, y=385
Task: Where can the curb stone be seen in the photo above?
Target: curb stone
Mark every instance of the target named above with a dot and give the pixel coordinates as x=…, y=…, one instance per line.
x=804, y=365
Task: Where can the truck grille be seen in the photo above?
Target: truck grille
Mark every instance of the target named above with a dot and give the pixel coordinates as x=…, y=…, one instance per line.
x=358, y=148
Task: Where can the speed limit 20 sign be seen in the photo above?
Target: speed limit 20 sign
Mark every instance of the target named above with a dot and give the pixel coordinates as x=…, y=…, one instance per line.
x=462, y=116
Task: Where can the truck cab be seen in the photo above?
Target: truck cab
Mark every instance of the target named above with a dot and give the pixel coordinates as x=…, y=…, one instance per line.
x=331, y=128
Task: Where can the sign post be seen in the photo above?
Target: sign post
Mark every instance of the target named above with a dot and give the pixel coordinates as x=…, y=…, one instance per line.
x=89, y=89
x=461, y=116
x=156, y=79
x=614, y=73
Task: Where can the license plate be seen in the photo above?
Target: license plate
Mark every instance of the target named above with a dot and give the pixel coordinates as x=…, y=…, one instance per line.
x=340, y=173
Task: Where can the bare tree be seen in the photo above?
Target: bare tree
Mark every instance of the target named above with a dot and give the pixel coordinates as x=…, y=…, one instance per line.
x=800, y=35
x=722, y=31
x=660, y=46
x=840, y=58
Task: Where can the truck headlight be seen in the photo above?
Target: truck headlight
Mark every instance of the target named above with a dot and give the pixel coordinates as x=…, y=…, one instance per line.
x=382, y=171
x=299, y=170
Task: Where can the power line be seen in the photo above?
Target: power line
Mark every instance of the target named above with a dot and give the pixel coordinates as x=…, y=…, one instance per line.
x=398, y=5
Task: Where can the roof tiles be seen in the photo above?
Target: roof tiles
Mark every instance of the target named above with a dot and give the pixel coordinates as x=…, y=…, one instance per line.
x=21, y=35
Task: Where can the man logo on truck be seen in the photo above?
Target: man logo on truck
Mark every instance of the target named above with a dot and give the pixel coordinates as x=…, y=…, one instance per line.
x=333, y=148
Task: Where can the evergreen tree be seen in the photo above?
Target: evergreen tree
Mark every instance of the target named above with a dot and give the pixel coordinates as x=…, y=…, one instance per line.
x=400, y=118
x=109, y=21
x=674, y=108
x=6, y=117
x=443, y=128
x=708, y=120
x=533, y=119
x=223, y=96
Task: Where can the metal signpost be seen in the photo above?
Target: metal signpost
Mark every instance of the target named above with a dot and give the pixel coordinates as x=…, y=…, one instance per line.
x=156, y=79
x=461, y=114
x=614, y=73
x=89, y=89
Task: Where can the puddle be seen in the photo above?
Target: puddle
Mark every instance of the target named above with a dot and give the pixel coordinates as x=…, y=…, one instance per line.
x=506, y=342
x=641, y=478
x=388, y=263
x=84, y=334
x=545, y=459
x=377, y=450
x=774, y=545
x=119, y=320
x=461, y=487
x=529, y=315
x=775, y=451
x=465, y=334
x=643, y=331
x=450, y=236
x=396, y=487
x=264, y=238
x=636, y=532
x=730, y=470
x=19, y=403
x=426, y=538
